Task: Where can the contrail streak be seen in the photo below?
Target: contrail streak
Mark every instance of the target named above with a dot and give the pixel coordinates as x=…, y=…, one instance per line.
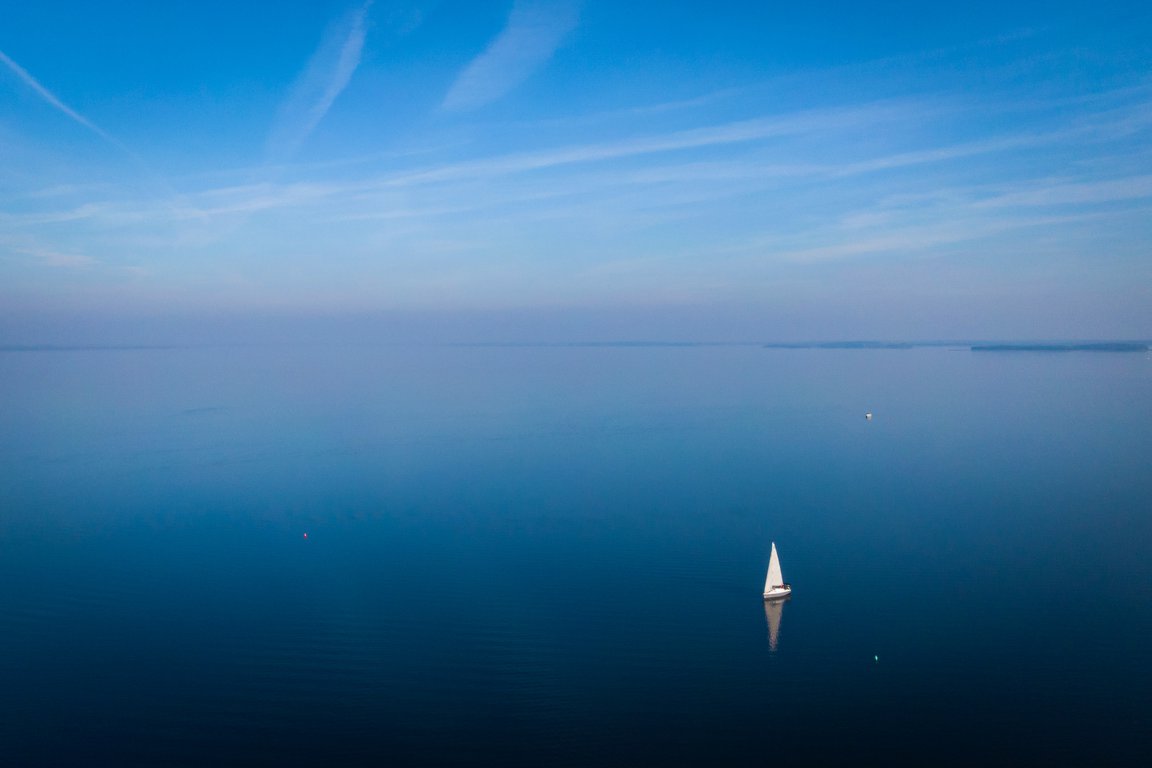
x=50, y=97
x=323, y=80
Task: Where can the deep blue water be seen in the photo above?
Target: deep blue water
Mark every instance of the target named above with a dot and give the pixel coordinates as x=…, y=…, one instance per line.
x=554, y=556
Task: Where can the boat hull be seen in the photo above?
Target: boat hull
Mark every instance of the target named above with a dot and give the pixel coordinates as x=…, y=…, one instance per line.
x=777, y=592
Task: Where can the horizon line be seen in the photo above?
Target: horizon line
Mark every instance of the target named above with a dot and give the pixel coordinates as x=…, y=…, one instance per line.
x=1022, y=345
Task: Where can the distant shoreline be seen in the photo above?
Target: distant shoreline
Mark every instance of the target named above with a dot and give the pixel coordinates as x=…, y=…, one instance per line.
x=1101, y=346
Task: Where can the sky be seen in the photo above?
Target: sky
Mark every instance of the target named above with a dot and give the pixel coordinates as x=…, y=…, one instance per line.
x=567, y=170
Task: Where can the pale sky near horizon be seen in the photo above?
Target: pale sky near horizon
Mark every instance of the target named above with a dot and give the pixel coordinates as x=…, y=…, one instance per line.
x=558, y=169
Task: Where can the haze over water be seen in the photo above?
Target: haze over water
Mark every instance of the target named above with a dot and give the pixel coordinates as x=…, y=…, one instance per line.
x=554, y=556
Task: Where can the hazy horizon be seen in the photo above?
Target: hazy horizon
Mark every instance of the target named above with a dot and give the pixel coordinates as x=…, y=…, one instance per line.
x=516, y=328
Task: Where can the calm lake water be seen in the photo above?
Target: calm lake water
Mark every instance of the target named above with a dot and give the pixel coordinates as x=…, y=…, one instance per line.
x=554, y=556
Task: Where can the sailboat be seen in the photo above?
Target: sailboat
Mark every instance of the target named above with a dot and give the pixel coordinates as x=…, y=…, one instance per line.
x=774, y=586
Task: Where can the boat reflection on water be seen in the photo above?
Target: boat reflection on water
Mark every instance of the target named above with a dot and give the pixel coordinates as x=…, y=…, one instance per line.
x=773, y=609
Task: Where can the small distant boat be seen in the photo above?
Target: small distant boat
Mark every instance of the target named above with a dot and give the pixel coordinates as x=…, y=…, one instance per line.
x=774, y=586
x=868, y=416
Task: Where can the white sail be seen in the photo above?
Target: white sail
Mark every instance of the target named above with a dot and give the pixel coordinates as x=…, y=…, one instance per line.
x=775, y=577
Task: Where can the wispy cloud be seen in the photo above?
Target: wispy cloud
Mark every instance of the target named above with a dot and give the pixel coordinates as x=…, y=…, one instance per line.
x=535, y=29
x=590, y=170
x=322, y=81
x=926, y=239
x=750, y=198
x=86, y=211
x=52, y=99
x=737, y=132
x=1061, y=193
x=58, y=259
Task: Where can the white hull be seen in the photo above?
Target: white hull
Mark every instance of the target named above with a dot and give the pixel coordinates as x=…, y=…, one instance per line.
x=777, y=592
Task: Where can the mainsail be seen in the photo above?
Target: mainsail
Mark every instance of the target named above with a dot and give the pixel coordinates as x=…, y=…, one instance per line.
x=775, y=578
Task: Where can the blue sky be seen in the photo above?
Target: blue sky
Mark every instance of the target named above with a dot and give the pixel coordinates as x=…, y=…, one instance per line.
x=560, y=170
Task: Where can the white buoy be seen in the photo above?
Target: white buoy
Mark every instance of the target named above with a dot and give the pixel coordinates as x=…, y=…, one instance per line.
x=868, y=416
